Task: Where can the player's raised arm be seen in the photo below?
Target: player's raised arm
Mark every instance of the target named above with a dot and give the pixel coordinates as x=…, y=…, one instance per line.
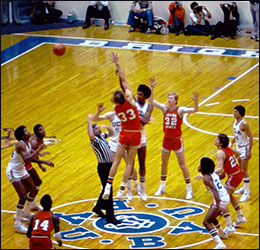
x=123, y=81
x=151, y=99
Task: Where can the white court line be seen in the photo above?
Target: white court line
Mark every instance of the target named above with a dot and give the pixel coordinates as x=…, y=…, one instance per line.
x=241, y=100
x=213, y=95
x=211, y=104
x=231, y=115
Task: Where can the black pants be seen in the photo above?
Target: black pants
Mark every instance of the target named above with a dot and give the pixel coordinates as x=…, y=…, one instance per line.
x=225, y=29
x=103, y=171
x=41, y=13
x=93, y=11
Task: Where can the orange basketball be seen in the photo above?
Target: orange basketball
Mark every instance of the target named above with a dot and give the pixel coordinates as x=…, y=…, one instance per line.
x=59, y=49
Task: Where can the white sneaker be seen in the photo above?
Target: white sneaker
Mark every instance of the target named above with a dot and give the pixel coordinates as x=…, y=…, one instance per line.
x=143, y=195
x=189, y=195
x=119, y=195
x=240, y=191
x=23, y=219
x=20, y=228
x=129, y=194
x=244, y=197
x=106, y=193
x=220, y=246
x=160, y=191
x=240, y=220
x=229, y=230
x=36, y=207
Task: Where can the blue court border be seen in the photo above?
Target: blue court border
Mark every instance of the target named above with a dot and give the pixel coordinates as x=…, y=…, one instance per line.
x=33, y=41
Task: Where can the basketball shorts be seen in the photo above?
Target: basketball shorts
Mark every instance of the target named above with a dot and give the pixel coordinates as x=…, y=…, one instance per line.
x=13, y=175
x=143, y=139
x=234, y=180
x=28, y=166
x=40, y=242
x=130, y=138
x=224, y=201
x=243, y=152
x=112, y=144
x=175, y=144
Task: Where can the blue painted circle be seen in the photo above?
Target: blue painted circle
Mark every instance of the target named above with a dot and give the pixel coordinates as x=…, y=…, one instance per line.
x=133, y=223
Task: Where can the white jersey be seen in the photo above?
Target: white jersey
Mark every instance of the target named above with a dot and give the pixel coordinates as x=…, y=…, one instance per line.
x=17, y=161
x=142, y=111
x=116, y=126
x=222, y=192
x=16, y=170
x=240, y=136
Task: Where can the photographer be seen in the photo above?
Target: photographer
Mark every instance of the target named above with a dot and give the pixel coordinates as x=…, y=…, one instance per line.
x=231, y=18
x=176, y=18
x=199, y=17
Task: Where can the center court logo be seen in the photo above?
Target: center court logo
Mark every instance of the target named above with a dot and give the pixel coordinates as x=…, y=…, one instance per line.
x=160, y=222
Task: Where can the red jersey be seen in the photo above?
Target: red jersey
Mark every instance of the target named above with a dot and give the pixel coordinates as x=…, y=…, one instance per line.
x=172, y=124
x=230, y=164
x=129, y=116
x=42, y=224
x=28, y=166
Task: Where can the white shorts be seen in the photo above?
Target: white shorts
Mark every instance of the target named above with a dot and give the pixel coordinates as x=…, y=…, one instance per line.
x=112, y=145
x=243, y=151
x=143, y=139
x=13, y=175
x=223, y=203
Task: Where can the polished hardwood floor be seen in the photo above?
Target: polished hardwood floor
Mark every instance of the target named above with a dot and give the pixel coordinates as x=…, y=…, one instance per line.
x=60, y=92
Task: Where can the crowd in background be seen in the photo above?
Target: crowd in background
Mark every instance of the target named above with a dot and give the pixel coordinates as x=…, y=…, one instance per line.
x=141, y=17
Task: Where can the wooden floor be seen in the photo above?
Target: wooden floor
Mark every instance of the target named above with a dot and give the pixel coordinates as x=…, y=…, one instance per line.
x=59, y=93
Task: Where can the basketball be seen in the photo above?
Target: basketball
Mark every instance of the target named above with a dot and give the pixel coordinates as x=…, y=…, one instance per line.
x=59, y=49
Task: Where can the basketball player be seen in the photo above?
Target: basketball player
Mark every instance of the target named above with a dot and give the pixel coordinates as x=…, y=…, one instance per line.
x=35, y=143
x=41, y=226
x=221, y=200
x=19, y=177
x=244, y=143
x=130, y=134
x=226, y=158
x=173, y=115
x=145, y=110
x=115, y=124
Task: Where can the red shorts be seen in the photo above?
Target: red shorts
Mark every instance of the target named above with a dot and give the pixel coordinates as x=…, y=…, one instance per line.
x=234, y=180
x=40, y=243
x=130, y=138
x=175, y=144
x=28, y=166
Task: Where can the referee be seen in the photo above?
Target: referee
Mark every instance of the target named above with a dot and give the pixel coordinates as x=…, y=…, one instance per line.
x=105, y=159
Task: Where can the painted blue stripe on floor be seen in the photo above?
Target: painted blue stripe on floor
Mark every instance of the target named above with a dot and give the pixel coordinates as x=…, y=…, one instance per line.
x=231, y=78
x=32, y=41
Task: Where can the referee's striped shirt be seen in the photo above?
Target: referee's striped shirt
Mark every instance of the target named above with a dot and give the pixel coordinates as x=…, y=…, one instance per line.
x=102, y=149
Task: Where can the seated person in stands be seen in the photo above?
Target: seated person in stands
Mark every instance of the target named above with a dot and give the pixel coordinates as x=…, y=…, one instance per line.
x=145, y=12
x=231, y=18
x=44, y=12
x=176, y=18
x=199, y=17
x=97, y=9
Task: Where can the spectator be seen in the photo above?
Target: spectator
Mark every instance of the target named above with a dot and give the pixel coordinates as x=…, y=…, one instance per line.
x=199, y=17
x=145, y=12
x=5, y=12
x=176, y=18
x=231, y=18
x=254, y=8
x=98, y=9
x=44, y=12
